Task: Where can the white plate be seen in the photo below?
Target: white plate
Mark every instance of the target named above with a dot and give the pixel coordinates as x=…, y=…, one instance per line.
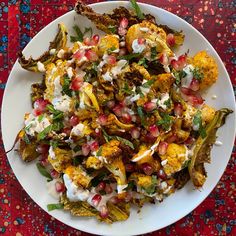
x=16, y=102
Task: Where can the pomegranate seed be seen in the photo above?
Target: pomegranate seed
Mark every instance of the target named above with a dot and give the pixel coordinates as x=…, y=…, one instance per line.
x=87, y=41
x=74, y=120
x=91, y=55
x=154, y=130
x=126, y=117
x=122, y=31
x=128, y=197
x=194, y=85
x=111, y=104
x=41, y=104
x=186, y=91
x=174, y=63
x=101, y=186
x=182, y=60
x=178, y=109
x=122, y=51
x=37, y=112
x=164, y=59
x=60, y=187
x=141, y=40
x=54, y=174
x=67, y=131
x=76, y=83
x=79, y=54
x=102, y=119
x=95, y=39
x=108, y=189
x=147, y=168
x=135, y=133
x=118, y=110
x=162, y=148
x=150, y=106
x=44, y=161
x=85, y=149
x=96, y=199
x=42, y=148
x=170, y=39
x=124, y=22
x=114, y=200
x=104, y=213
x=111, y=60
x=98, y=132
x=129, y=167
x=150, y=138
x=195, y=100
x=172, y=138
x=190, y=140
x=94, y=146
x=161, y=174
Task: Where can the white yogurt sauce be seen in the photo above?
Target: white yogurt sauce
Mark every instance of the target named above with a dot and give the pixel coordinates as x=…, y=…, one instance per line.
x=52, y=189
x=51, y=153
x=164, y=162
x=164, y=98
x=214, y=96
x=120, y=188
x=40, y=66
x=186, y=81
x=61, y=53
x=52, y=51
x=78, y=130
x=144, y=29
x=218, y=143
x=137, y=48
x=70, y=72
x=62, y=103
x=33, y=125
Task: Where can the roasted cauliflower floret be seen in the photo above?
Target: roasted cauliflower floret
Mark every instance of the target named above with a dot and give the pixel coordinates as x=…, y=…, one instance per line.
x=154, y=36
x=108, y=43
x=141, y=70
x=163, y=82
x=207, y=66
x=78, y=175
x=144, y=155
x=60, y=159
x=188, y=115
x=144, y=181
x=94, y=163
x=81, y=130
x=207, y=113
x=176, y=155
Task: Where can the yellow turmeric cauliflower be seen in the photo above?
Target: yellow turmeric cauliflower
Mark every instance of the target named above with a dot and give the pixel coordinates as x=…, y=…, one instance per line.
x=163, y=82
x=208, y=67
x=207, y=113
x=175, y=157
x=107, y=43
x=60, y=159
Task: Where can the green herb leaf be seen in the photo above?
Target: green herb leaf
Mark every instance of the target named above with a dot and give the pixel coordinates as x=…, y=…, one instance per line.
x=66, y=86
x=54, y=206
x=178, y=76
x=153, y=52
x=129, y=56
x=166, y=121
x=28, y=127
x=148, y=84
x=99, y=152
x=126, y=89
x=88, y=30
x=141, y=115
x=197, y=73
x=96, y=180
x=143, y=62
x=151, y=188
x=54, y=143
x=45, y=132
x=110, y=50
x=43, y=171
x=40, y=118
x=197, y=121
x=124, y=141
x=130, y=186
x=137, y=9
x=106, y=136
x=26, y=139
x=167, y=103
x=79, y=35
x=112, y=28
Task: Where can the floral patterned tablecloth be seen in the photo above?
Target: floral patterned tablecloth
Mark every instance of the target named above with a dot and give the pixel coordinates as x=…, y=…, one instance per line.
x=20, y=21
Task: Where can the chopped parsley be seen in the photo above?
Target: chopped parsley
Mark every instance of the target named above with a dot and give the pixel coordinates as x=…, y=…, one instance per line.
x=112, y=28
x=129, y=57
x=143, y=62
x=57, y=115
x=43, y=171
x=153, y=52
x=40, y=118
x=149, y=83
x=54, y=143
x=178, y=76
x=165, y=122
x=79, y=34
x=26, y=139
x=126, y=89
x=141, y=115
x=110, y=50
x=44, y=133
x=27, y=128
x=197, y=121
x=66, y=86
x=197, y=74
x=137, y=9
x=54, y=206
x=167, y=103
x=99, y=152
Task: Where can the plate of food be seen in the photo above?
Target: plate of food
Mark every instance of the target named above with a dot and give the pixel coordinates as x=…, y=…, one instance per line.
x=126, y=119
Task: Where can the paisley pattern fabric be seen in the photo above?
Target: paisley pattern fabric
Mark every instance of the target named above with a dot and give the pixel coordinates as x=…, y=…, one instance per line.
x=20, y=21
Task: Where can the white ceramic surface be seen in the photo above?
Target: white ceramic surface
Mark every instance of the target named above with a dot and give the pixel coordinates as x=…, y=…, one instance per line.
x=16, y=102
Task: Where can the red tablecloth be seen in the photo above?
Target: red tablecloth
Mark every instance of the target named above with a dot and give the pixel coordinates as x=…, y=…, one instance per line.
x=20, y=21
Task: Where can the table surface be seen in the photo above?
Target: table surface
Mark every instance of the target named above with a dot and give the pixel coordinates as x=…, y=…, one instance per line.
x=20, y=21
